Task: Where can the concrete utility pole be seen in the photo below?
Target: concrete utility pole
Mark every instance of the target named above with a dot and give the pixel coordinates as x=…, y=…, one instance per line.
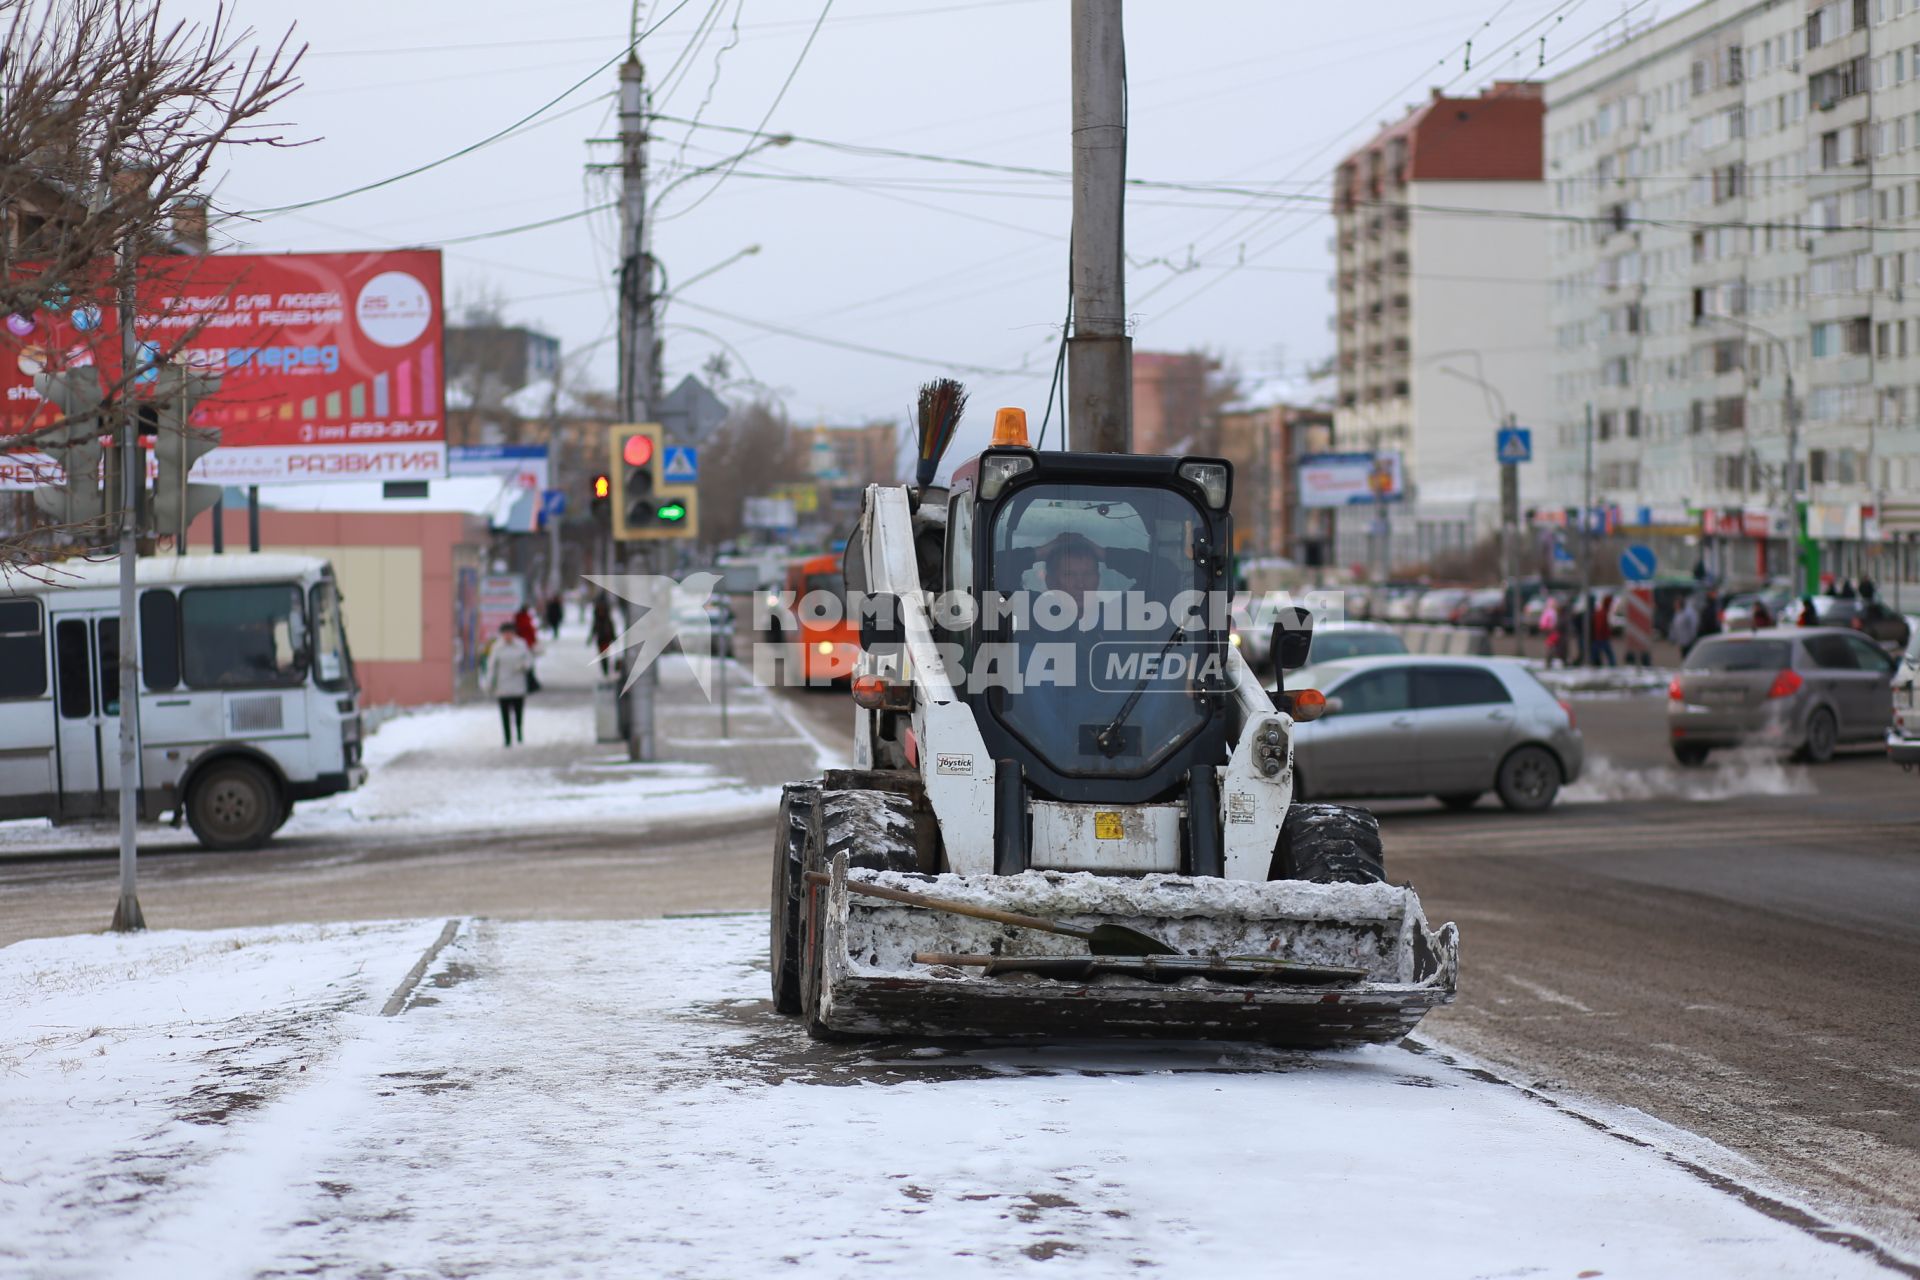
x=127, y=916
x=636, y=264
x=638, y=394
x=1586, y=548
x=1099, y=352
x=1795, y=549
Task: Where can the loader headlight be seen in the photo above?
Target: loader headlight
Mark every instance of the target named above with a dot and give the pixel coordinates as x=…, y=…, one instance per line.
x=1212, y=477
x=998, y=468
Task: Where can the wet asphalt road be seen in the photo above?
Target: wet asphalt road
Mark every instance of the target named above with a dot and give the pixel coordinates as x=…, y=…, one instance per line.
x=1735, y=951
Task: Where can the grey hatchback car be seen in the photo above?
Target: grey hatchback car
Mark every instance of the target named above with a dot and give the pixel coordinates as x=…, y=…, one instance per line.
x=1453, y=728
x=1799, y=689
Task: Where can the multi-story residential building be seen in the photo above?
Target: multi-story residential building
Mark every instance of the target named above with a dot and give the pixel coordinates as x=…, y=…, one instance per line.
x=1442, y=306
x=1735, y=197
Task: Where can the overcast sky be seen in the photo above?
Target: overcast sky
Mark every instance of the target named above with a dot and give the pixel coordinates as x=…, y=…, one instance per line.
x=949, y=265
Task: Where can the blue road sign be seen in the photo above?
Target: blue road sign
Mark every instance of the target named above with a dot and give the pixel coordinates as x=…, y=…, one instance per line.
x=682, y=465
x=1513, y=444
x=1637, y=563
x=1560, y=552
x=553, y=503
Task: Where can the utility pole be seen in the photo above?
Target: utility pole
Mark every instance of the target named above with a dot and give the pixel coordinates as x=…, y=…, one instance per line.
x=637, y=392
x=1510, y=541
x=1099, y=352
x=1586, y=548
x=1795, y=550
x=127, y=917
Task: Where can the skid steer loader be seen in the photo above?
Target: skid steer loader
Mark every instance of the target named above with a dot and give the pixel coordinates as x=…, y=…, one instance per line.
x=1070, y=808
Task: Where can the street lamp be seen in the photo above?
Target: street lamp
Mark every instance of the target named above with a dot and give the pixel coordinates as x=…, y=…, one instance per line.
x=1792, y=478
x=773, y=140
x=1509, y=504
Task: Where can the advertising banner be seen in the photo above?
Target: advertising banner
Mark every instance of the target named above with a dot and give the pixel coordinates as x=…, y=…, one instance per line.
x=331, y=365
x=1350, y=479
x=524, y=467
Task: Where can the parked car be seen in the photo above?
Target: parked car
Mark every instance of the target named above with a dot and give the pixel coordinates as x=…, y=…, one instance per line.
x=1442, y=605
x=1401, y=604
x=1800, y=689
x=1336, y=640
x=1869, y=617
x=1736, y=614
x=1453, y=728
x=1486, y=609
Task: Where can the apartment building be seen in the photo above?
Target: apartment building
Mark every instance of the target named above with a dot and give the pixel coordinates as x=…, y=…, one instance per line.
x=1441, y=316
x=1737, y=197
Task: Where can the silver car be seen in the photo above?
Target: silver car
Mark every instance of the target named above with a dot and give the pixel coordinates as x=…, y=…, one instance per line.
x=1799, y=689
x=1453, y=728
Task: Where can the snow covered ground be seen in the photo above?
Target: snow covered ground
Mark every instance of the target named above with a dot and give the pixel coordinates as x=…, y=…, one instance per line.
x=616, y=1099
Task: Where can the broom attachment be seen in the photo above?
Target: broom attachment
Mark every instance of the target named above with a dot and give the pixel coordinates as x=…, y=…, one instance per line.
x=936, y=419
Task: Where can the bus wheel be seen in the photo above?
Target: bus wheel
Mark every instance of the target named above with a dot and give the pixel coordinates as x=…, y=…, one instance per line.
x=233, y=805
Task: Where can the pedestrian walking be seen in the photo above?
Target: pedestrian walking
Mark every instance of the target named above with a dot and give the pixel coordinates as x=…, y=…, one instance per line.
x=525, y=627
x=1762, y=616
x=1684, y=629
x=1809, y=615
x=1603, y=634
x=1551, y=629
x=509, y=675
x=556, y=614
x=602, y=633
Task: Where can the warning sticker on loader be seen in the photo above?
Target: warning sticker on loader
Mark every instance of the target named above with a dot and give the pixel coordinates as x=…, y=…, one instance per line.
x=1239, y=807
x=1108, y=826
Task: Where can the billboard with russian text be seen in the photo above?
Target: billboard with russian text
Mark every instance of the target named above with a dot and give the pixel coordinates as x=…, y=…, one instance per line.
x=331, y=364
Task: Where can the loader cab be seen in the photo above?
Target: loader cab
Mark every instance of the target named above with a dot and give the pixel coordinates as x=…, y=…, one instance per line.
x=1096, y=653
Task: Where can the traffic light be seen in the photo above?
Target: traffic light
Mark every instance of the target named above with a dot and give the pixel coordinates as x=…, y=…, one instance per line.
x=177, y=445
x=76, y=442
x=602, y=486
x=644, y=507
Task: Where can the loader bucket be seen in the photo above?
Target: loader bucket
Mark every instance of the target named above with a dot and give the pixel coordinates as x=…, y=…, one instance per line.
x=1285, y=963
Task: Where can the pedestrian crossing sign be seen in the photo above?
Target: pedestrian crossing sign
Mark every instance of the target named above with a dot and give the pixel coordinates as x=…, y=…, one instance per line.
x=681, y=465
x=1513, y=445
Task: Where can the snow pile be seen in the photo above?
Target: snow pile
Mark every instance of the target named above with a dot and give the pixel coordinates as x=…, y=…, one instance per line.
x=617, y=1099
x=1727, y=775
x=1601, y=681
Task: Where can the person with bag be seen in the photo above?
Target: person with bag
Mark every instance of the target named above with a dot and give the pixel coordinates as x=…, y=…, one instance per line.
x=529, y=632
x=509, y=678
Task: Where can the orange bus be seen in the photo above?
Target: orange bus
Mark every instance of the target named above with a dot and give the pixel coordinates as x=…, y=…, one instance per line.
x=828, y=650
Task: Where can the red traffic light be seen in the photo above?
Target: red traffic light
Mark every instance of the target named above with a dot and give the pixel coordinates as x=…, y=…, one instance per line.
x=637, y=451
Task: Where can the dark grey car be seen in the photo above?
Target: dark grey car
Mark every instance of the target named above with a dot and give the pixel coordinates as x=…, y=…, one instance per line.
x=1801, y=689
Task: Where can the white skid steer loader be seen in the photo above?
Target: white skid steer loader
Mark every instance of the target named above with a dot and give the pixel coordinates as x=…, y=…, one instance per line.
x=1070, y=812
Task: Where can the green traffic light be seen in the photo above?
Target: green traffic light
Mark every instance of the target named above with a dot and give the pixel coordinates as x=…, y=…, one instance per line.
x=672, y=512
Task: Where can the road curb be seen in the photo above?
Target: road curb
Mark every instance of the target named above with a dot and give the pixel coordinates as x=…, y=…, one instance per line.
x=397, y=1002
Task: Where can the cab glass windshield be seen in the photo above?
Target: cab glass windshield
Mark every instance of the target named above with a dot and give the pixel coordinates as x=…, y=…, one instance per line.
x=1105, y=638
x=332, y=662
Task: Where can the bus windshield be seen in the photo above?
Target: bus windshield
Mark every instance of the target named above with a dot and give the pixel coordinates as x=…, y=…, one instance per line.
x=332, y=660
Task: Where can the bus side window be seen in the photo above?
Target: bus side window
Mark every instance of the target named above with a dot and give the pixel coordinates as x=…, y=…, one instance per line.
x=23, y=650
x=70, y=665
x=160, y=639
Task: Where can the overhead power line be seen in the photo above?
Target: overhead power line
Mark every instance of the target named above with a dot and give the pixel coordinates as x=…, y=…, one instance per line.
x=859, y=348
x=773, y=106
x=487, y=141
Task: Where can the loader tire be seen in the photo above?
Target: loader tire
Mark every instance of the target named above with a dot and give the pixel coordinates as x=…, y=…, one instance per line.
x=874, y=829
x=1329, y=844
x=790, y=835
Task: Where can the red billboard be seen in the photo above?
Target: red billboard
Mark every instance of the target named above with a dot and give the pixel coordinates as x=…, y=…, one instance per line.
x=331, y=365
